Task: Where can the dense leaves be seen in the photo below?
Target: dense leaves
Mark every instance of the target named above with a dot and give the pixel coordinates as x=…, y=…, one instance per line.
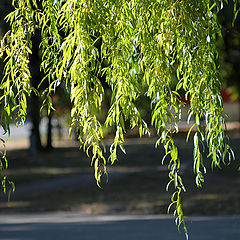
x=153, y=48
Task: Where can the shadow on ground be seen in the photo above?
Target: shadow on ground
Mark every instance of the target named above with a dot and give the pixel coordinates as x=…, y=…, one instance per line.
x=63, y=179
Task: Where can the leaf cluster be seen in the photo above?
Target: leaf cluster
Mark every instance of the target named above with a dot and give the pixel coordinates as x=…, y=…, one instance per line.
x=152, y=48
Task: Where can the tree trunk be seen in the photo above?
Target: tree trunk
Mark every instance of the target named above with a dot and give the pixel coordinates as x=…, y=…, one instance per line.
x=49, y=131
x=35, y=139
x=34, y=101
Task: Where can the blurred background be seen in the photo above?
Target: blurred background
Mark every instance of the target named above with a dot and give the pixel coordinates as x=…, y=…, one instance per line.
x=51, y=173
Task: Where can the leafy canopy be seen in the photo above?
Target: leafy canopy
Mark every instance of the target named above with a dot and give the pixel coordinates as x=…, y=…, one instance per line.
x=155, y=48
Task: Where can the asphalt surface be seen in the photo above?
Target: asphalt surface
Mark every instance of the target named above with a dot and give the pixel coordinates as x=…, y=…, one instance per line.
x=73, y=226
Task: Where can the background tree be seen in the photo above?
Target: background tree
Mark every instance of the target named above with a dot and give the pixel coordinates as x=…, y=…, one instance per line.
x=34, y=99
x=229, y=50
x=151, y=48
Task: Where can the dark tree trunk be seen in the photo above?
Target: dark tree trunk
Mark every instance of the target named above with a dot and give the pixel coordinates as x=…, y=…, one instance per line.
x=49, y=131
x=35, y=101
x=35, y=139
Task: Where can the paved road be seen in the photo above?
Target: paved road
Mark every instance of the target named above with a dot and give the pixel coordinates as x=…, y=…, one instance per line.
x=71, y=226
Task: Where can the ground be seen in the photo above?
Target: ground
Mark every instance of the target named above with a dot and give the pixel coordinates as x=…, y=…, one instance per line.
x=63, y=180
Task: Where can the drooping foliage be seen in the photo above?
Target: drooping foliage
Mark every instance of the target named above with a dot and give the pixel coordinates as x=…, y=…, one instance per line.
x=155, y=48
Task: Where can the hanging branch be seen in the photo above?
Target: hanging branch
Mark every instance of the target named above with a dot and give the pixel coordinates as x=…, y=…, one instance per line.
x=152, y=48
